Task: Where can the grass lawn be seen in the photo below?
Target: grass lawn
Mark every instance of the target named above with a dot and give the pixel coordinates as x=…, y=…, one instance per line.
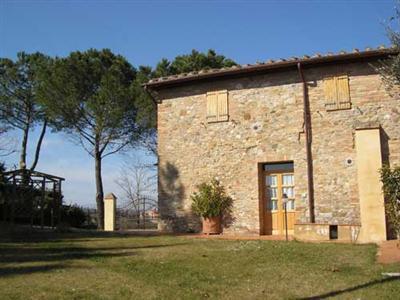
x=100, y=266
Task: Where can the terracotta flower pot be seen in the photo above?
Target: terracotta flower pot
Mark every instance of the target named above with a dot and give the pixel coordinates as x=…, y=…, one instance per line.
x=212, y=225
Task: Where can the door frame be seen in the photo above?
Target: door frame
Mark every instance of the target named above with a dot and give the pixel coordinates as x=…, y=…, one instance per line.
x=261, y=190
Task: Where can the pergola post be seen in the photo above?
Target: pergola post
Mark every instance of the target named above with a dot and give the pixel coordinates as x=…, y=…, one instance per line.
x=32, y=202
x=13, y=199
x=5, y=207
x=59, y=198
x=42, y=203
x=53, y=205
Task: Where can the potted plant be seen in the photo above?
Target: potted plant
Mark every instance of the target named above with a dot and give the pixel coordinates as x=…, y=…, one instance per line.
x=211, y=202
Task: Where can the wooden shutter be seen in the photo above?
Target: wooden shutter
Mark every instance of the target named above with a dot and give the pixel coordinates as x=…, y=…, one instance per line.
x=212, y=107
x=337, y=92
x=217, y=106
x=223, y=106
x=330, y=93
x=343, y=92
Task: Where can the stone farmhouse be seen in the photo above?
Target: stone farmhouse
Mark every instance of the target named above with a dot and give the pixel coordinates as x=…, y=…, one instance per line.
x=312, y=132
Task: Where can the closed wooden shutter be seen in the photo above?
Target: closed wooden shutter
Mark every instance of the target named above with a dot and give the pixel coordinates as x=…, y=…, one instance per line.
x=337, y=92
x=217, y=106
x=223, y=106
x=330, y=93
x=343, y=92
x=212, y=107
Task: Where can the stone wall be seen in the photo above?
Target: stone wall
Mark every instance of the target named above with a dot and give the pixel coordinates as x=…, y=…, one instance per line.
x=265, y=125
x=321, y=232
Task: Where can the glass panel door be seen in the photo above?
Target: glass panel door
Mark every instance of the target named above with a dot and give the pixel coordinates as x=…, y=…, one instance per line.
x=288, y=190
x=279, y=186
x=272, y=192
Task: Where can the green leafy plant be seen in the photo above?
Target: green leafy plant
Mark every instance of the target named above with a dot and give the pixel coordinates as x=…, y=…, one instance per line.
x=211, y=200
x=74, y=216
x=391, y=189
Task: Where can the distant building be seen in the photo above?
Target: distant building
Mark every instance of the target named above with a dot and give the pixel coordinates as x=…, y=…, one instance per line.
x=152, y=213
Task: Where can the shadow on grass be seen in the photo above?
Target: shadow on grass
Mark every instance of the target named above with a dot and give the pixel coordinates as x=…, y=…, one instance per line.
x=20, y=233
x=24, y=254
x=26, y=248
x=23, y=270
x=351, y=289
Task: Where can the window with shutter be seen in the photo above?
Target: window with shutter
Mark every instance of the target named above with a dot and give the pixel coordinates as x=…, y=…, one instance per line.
x=217, y=106
x=337, y=92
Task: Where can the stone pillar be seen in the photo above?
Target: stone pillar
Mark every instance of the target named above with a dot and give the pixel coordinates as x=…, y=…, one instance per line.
x=110, y=203
x=372, y=207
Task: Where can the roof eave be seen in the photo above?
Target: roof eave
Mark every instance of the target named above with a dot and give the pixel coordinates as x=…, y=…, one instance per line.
x=282, y=64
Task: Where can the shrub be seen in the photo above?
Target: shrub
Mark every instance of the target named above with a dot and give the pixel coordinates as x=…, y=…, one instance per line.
x=391, y=189
x=2, y=168
x=211, y=200
x=73, y=215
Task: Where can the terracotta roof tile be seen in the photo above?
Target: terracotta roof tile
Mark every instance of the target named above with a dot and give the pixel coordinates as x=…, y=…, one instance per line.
x=317, y=58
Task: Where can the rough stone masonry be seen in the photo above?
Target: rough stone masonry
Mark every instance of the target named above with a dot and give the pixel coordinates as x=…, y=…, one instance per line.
x=266, y=125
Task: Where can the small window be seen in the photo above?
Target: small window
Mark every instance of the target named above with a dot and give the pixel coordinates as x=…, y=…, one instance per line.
x=217, y=106
x=333, y=232
x=337, y=92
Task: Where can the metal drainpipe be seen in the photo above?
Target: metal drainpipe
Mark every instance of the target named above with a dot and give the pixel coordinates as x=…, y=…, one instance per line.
x=308, y=135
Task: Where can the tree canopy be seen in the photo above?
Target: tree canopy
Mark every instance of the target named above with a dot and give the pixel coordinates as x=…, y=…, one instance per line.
x=390, y=68
x=19, y=103
x=92, y=96
x=195, y=61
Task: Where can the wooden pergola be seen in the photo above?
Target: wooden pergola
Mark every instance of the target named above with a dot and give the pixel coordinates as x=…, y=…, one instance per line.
x=31, y=189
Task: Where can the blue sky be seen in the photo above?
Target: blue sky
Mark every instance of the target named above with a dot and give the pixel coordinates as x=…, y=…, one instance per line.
x=146, y=31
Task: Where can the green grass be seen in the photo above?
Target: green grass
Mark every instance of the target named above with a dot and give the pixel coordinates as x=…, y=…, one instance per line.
x=100, y=266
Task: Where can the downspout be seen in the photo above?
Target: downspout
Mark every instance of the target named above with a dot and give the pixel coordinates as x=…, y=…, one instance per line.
x=308, y=140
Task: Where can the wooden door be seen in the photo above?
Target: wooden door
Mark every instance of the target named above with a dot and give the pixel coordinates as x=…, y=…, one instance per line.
x=276, y=186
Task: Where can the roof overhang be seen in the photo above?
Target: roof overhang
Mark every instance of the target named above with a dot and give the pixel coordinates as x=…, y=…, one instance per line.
x=282, y=64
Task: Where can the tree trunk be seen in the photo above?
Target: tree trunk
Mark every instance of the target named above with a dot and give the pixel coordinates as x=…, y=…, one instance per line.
x=39, y=145
x=22, y=159
x=99, y=190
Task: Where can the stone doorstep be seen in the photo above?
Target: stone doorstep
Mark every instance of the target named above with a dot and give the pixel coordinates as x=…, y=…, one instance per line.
x=389, y=252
